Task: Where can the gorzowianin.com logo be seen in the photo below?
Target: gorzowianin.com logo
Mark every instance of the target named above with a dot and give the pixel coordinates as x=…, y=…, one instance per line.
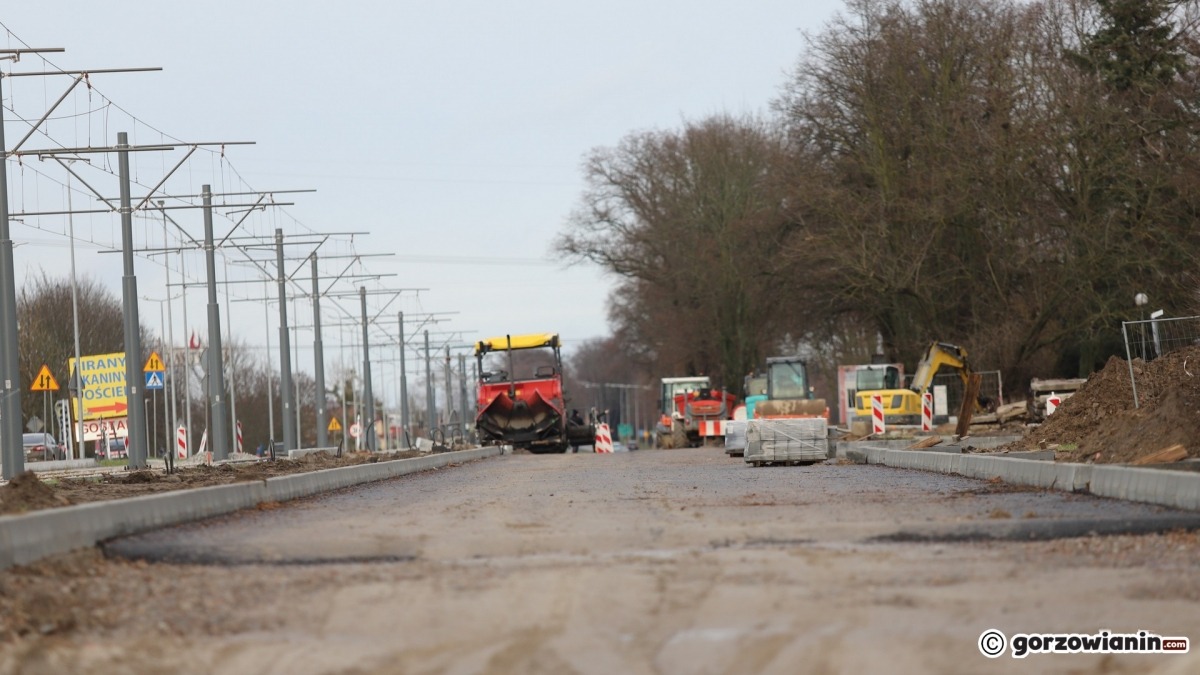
x=993, y=643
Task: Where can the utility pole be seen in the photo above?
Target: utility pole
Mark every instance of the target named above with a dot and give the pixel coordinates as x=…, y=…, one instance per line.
x=133, y=339
x=431, y=404
x=319, y=359
x=404, y=431
x=462, y=392
x=13, y=456
x=285, y=352
x=171, y=339
x=449, y=384
x=218, y=415
x=368, y=426
x=11, y=450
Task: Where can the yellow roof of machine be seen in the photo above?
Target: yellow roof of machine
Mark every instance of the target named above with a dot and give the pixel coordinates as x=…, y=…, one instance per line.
x=529, y=341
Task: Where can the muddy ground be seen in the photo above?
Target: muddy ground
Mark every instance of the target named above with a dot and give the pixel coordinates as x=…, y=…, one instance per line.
x=29, y=492
x=1100, y=424
x=681, y=561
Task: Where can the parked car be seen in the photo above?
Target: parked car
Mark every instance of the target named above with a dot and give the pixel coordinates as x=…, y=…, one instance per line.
x=42, y=446
x=116, y=450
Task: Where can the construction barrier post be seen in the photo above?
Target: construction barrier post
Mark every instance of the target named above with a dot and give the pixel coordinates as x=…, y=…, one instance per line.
x=1052, y=403
x=877, y=423
x=181, y=449
x=927, y=411
x=603, y=439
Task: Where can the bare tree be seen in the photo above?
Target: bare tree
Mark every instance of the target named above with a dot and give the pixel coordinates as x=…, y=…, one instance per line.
x=692, y=221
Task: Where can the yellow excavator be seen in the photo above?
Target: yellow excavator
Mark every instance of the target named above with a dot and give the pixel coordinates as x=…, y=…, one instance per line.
x=903, y=406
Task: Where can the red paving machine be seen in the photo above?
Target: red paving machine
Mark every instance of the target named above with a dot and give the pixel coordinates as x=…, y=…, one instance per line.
x=520, y=398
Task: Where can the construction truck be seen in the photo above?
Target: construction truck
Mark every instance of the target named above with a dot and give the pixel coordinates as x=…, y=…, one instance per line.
x=691, y=411
x=520, y=395
x=903, y=405
x=791, y=425
x=789, y=393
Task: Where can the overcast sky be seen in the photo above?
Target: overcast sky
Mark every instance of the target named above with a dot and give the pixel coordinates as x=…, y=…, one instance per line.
x=452, y=132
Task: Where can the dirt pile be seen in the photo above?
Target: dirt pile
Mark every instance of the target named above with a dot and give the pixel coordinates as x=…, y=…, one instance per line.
x=1099, y=423
x=27, y=492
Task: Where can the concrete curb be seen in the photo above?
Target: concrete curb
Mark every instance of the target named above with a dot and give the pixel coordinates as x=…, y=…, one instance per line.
x=30, y=537
x=1176, y=489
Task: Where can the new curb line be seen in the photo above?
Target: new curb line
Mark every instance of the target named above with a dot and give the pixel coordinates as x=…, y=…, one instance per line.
x=1176, y=489
x=30, y=537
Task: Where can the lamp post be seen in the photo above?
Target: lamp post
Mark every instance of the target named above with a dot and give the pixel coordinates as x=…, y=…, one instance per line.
x=1140, y=300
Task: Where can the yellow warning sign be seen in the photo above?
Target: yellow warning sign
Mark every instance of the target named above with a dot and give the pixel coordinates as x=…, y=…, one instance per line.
x=44, y=380
x=334, y=424
x=153, y=363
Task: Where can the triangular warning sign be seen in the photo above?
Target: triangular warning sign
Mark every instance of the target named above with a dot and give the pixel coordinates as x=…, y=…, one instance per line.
x=153, y=363
x=44, y=381
x=334, y=424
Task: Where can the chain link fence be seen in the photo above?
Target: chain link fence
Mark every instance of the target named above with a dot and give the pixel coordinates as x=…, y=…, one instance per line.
x=1151, y=338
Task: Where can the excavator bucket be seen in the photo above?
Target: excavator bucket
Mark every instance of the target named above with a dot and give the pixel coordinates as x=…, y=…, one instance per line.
x=810, y=407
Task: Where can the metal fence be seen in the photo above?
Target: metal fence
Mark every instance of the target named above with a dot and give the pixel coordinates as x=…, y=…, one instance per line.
x=1151, y=338
x=991, y=387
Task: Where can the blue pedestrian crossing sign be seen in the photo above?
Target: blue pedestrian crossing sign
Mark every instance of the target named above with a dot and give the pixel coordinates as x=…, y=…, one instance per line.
x=154, y=379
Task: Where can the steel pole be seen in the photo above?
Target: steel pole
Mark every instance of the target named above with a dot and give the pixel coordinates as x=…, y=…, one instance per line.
x=368, y=395
x=462, y=393
x=319, y=361
x=171, y=337
x=449, y=389
x=404, y=432
x=134, y=394
x=12, y=454
x=270, y=393
x=233, y=418
x=76, y=381
x=285, y=351
x=430, y=405
x=218, y=416
x=187, y=362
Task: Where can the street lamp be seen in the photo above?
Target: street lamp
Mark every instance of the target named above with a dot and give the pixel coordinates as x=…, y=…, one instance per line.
x=1140, y=300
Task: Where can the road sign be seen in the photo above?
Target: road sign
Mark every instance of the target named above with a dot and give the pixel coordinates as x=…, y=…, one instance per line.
x=334, y=424
x=154, y=379
x=355, y=430
x=102, y=385
x=44, y=380
x=34, y=424
x=116, y=427
x=155, y=362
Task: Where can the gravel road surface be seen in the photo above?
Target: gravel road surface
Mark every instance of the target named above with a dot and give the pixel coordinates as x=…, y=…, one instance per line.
x=680, y=561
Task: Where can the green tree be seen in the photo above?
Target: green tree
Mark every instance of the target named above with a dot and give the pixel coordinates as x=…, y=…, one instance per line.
x=46, y=332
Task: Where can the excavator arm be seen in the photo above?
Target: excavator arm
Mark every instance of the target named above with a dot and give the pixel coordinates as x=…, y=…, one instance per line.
x=937, y=355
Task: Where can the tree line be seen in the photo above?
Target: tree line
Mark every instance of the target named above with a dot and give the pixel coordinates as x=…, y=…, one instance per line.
x=998, y=174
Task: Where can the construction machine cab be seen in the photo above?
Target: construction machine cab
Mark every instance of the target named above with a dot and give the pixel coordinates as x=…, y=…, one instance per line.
x=903, y=405
x=787, y=379
x=873, y=377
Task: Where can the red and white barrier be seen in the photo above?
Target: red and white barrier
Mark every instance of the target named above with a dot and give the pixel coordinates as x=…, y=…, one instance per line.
x=878, y=426
x=604, y=441
x=710, y=428
x=239, y=436
x=181, y=449
x=927, y=411
x=1052, y=403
